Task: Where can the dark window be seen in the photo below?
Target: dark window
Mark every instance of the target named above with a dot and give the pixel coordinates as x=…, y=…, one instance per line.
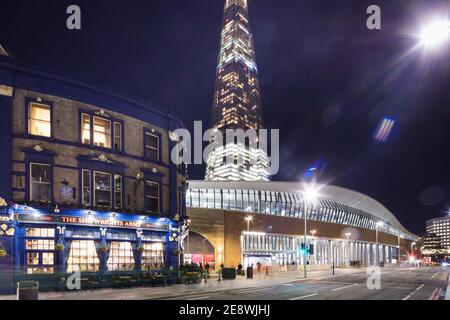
x=151, y=196
x=102, y=189
x=151, y=146
x=40, y=186
x=117, y=191
x=86, y=187
x=117, y=136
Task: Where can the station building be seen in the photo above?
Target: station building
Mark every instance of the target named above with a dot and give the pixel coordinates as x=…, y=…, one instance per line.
x=86, y=180
x=249, y=222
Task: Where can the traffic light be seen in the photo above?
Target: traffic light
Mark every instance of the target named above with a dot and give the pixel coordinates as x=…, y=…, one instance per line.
x=302, y=248
x=311, y=249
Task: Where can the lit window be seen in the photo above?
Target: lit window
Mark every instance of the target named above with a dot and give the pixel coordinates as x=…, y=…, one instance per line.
x=40, y=186
x=121, y=256
x=85, y=129
x=39, y=120
x=40, y=246
x=151, y=146
x=151, y=196
x=102, y=189
x=83, y=257
x=153, y=256
x=102, y=132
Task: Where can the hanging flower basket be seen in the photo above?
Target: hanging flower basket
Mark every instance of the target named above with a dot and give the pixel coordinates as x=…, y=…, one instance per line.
x=104, y=248
x=141, y=249
x=60, y=247
x=3, y=253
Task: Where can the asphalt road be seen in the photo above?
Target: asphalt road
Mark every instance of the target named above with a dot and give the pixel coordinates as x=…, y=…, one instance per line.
x=404, y=284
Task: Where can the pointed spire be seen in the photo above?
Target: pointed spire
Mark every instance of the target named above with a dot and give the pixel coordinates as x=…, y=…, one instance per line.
x=3, y=51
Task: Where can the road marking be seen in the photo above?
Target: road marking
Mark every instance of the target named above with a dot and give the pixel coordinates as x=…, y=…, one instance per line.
x=253, y=290
x=412, y=293
x=432, y=277
x=303, y=297
x=288, y=284
x=198, y=298
x=431, y=297
x=341, y=288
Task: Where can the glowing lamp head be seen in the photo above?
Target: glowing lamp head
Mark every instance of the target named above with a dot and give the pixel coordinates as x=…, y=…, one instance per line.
x=313, y=232
x=248, y=218
x=348, y=234
x=311, y=195
x=380, y=224
x=435, y=33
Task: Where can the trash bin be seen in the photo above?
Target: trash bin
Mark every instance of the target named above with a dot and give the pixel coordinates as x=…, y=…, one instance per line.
x=249, y=273
x=229, y=273
x=27, y=290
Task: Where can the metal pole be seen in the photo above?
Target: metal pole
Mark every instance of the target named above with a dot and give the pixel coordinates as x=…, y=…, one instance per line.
x=248, y=225
x=398, y=250
x=376, y=245
x=304, y=239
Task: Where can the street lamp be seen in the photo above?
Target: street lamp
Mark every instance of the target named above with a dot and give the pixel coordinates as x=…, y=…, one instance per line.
x=313, y=233
x=399, y=249
x=248, y=219
x=435, y=33
x=379, y=224
x=412, y=249
x=310, y=195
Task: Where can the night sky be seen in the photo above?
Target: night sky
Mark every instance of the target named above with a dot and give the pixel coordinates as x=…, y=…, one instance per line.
x=326, y=81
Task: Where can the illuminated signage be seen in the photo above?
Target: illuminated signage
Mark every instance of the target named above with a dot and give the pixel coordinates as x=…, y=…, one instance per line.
x=91, y=221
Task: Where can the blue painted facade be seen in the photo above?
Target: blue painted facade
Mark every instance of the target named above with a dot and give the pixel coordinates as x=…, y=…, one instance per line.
x=70, y=225
x=65, y=212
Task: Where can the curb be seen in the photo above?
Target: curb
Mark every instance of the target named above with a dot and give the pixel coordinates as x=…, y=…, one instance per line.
x=447, y=294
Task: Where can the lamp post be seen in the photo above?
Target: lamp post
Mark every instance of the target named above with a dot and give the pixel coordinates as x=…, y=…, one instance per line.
x=377, y=253
x=347, y=235
x=248, y=219
x=412, y=248
x=313, y=233
x=399, y=249
x=310, y=195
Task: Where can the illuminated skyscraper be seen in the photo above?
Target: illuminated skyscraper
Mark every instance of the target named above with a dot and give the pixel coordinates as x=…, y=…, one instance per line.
x=237, y=101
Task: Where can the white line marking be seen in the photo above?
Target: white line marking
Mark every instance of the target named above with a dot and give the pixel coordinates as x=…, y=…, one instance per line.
x=199, y=298
x=253, y=290
x=341, y=288
x=303, y=297
x=412, y=293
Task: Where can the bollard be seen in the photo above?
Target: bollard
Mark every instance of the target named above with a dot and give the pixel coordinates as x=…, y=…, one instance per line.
x=267, y=270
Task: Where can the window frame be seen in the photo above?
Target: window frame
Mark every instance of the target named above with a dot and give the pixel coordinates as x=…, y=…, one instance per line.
x=111, y=188
x=110, y=132
x=83, y=187
x=113, y=134
x=40, y=251
x=146, y=191
x=158, y=136
x=28, y=102
x=113, y=193
x=30, y=179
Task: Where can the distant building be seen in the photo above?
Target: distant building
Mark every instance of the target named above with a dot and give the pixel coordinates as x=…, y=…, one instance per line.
x=441, y=228
x=237, y=100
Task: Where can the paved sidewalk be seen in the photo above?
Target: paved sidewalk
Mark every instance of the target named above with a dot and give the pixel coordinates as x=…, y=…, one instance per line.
x=213, y=285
